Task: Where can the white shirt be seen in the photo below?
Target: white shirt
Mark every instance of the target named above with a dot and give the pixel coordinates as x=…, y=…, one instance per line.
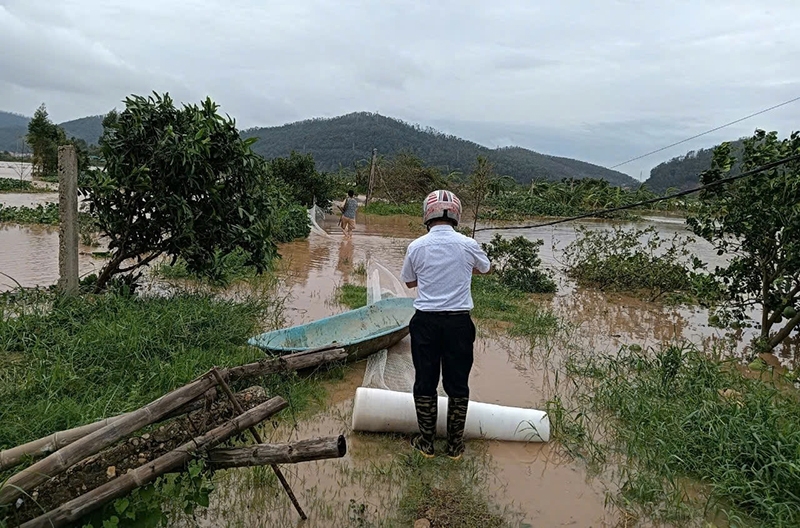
x=442, y=262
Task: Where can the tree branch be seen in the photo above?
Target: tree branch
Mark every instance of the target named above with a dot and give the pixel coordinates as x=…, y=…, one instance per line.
x=784, y=332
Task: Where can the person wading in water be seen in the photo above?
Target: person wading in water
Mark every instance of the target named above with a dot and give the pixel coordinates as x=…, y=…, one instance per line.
x=440, y=265
x=348, y=219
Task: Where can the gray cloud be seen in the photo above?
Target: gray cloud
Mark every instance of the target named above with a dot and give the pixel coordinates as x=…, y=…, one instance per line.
x=601, y=84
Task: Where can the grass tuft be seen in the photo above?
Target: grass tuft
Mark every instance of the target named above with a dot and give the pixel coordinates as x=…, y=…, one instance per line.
x=351, y=295
x=679, y=417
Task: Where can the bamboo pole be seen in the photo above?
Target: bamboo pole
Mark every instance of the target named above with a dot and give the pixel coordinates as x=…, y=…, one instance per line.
x=59, y=461
x=257, y=438
x=263, y=454
x=88, y=502
x=44, y=446
x=299, y=361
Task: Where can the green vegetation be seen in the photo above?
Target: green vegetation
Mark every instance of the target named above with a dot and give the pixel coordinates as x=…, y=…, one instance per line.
x=351, y=295
x=677, y=416
x=228, y=269
x=44, y=138
x=639, y=261
x=515, y=309
x=206, y=193
x=7, y=156
x=516, y=264
x=683, y=172
x=756, y=222
x=570, y=198
x=72, y=361
x=41, y=214
x=10, y=185
x=303, y=183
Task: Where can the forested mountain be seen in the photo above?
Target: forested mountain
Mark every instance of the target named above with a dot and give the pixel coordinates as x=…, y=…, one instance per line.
x=88, y=129
x=682, y=172
x=342, y=141
x=9, y=120
x=345, y=140
x=12, y=128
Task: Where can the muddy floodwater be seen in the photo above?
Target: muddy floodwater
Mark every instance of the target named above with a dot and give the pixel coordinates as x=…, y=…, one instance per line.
x=530, y=481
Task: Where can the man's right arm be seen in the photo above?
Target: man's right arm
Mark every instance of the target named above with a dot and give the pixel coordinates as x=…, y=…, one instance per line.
x=482, y=265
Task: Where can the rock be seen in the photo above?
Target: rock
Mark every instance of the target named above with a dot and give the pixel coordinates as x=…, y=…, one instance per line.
x=111, y=472
x=422, y=523
x=145, y=436
x=142, y=460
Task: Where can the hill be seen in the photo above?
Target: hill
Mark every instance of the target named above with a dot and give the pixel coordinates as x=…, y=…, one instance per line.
x=9, y=120
x=88, y=129
x=12, y=128
x=682, y=172
x=342, y=141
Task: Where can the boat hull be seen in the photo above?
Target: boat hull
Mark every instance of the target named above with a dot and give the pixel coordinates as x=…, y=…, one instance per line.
x=359, y=332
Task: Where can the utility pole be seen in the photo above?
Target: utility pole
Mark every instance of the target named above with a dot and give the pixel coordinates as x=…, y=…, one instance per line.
x=371, y=184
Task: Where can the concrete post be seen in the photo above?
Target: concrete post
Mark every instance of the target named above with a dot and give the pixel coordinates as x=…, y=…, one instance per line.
x=68, y=211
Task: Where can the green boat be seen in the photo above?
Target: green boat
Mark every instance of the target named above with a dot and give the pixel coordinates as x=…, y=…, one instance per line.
x=360, y=332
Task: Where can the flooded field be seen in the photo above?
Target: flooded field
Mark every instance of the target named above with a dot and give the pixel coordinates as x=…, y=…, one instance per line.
x=530, y=482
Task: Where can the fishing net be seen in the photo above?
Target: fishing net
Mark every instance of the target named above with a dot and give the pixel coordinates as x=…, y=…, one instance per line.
x=316, y=216
x=389, y=369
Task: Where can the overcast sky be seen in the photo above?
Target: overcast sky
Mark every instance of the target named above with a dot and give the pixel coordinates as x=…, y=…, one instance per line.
x=598, y=80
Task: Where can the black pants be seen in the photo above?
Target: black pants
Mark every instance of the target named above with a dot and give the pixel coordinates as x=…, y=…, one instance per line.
x=442, y=343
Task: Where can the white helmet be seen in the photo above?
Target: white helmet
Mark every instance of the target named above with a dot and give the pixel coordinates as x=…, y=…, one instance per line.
x=441, y=204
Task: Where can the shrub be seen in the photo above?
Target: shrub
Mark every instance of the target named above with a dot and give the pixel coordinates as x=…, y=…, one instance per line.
x=517, y=264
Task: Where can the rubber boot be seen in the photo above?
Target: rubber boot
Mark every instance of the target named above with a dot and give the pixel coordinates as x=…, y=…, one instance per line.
x=427, y=407
x=456, y=421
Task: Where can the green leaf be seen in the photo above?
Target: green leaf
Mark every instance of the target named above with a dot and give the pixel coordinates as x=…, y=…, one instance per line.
x=121, y=505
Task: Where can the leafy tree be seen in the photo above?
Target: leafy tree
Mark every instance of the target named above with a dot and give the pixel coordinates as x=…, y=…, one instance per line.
x=756, y=220
x=44, y=137
x=306, y=185
x=181, y=182
x=405, y=179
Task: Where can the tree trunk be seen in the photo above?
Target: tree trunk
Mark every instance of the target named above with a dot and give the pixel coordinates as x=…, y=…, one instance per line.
x=784, y=332
x=475, y=220
x=62, y=459
x=81, y=506
x=108, y=271
x=265, y=454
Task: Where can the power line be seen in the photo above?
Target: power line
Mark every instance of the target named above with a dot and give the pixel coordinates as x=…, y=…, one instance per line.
x=708, y=132
x=601, y=212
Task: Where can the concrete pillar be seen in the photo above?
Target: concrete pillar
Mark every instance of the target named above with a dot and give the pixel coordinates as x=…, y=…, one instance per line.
x=68, y=211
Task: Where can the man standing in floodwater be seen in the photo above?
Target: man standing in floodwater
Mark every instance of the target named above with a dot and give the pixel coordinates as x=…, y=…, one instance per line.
x=348, y=220
x=440, y=265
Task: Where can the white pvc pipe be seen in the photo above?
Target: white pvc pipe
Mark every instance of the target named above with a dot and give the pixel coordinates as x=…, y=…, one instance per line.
x=384, y=411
